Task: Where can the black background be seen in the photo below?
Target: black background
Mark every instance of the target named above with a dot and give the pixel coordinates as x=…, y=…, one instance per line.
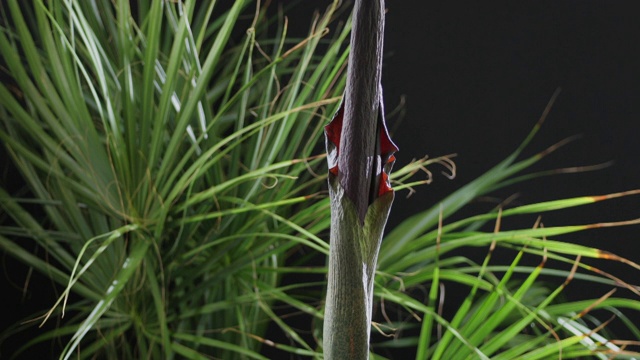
x=474, y=78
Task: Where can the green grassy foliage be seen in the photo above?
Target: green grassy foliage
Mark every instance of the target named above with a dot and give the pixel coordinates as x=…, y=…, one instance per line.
x=173, y=177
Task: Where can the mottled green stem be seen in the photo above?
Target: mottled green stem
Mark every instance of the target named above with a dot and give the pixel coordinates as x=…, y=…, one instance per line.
x=352, y=264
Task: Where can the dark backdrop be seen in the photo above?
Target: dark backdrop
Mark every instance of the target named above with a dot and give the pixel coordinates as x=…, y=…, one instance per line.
x=476, y=77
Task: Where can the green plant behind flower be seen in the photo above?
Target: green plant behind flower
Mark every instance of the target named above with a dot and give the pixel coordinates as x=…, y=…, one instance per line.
x=170, y=152
x=174, y=165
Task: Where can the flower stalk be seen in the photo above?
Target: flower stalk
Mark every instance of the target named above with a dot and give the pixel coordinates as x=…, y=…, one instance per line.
x=360, y=157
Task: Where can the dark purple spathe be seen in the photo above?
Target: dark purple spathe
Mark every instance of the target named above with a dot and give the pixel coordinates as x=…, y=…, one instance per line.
x=360, y=150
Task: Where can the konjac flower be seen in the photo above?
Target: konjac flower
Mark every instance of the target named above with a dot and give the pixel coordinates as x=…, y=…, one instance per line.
x=360, y=156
